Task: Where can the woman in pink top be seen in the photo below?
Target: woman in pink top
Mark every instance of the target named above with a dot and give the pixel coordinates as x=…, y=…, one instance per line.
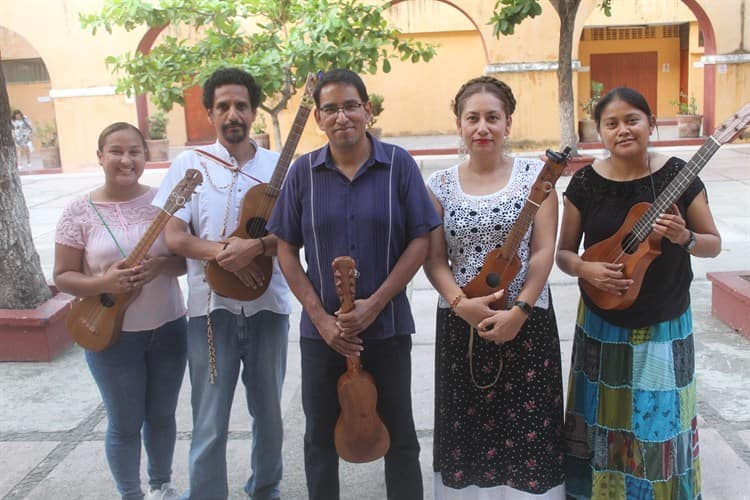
x=139, y=376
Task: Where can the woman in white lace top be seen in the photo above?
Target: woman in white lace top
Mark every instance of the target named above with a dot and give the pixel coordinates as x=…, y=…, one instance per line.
x=138, y=376
x=498, y=394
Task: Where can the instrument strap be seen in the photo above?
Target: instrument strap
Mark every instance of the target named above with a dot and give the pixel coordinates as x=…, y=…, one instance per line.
x=91, y=202
x=472, y=332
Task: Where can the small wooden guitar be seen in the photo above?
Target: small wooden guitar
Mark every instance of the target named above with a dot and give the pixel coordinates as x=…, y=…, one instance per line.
x=257, y=206
x=95, y=322
x=501, y=265
x=634, y=244
x=360, y=436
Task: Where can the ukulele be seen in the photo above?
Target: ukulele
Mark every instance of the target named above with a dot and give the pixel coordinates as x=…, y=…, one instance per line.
x=634, y=244
x=95, y=322
x=360, y=436
x=257, y=206
x=501, y=265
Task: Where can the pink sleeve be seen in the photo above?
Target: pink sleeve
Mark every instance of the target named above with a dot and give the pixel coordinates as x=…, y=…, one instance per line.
x=71, y=230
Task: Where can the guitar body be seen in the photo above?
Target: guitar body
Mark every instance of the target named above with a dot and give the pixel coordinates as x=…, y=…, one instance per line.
x=496, y=274
x=95, y=322
x=360, y=436
x=636, y=262
x=252, y=225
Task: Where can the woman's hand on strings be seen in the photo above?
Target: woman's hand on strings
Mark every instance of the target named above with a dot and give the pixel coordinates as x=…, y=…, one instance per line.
x=605, y=276
x=672, y=226
x=120, y=279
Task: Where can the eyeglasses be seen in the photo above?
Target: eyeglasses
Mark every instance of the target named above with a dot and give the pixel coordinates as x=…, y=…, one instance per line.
x=349, y=108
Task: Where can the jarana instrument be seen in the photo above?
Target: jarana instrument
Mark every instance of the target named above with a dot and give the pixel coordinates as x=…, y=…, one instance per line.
x=95, y=322
x=360, y=435
x=257, y=206
x=634, y=244
x=501, y=265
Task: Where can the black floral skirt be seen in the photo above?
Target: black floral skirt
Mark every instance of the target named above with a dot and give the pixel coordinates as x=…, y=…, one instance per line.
x=507, y=434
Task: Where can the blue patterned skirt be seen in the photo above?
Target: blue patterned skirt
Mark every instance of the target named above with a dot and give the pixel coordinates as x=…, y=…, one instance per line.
x=631, y=420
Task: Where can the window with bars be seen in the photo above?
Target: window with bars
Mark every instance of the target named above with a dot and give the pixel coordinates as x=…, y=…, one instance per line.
x=621, y=33
x=25, y=71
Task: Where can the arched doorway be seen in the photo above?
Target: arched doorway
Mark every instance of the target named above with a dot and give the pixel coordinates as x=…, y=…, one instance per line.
x=28, y=85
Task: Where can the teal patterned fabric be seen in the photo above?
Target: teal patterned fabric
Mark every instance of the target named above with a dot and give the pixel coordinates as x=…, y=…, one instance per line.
x=631, y=419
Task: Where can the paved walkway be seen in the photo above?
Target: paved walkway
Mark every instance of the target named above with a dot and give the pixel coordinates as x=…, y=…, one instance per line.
x=52, y=422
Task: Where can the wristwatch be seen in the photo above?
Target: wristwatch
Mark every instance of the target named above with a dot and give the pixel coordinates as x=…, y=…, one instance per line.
x=525, y=307
x=690, y=242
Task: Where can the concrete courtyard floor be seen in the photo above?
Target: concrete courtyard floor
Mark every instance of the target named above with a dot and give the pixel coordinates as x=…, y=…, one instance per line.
x=52, y=421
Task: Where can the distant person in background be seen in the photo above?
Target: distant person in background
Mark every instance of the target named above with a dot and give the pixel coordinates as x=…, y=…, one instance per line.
x=22, y=131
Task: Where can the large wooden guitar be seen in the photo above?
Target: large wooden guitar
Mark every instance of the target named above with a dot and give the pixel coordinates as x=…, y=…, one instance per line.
x=95, y=322
x=257, y=206
x=634, y=244
x=501, y=265
x=360, y=436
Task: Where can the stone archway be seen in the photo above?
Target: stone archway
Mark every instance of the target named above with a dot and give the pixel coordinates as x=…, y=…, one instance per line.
x=709, y=70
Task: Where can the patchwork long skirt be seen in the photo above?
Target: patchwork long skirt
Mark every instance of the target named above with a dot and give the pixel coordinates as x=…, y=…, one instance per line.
x=631, y=420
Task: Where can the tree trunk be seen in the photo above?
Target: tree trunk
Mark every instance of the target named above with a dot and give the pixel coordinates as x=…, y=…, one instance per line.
x=566, y=10
x=22, y=283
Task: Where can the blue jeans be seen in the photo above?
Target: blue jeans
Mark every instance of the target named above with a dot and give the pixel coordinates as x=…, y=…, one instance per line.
x=389, y=362
x=139, y=378
x=259, y=343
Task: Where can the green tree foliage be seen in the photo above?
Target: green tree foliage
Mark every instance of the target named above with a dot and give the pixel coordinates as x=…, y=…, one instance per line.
x=510, y=13
x=286, y=40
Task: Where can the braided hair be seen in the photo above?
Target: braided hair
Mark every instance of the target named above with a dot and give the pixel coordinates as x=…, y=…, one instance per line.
x=488, y=84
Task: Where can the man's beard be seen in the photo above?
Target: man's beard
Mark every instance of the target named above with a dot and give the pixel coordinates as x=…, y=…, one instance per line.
x=234, y=137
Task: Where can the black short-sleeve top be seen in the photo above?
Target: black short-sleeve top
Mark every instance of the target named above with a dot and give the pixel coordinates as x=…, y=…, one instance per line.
x=604, y=205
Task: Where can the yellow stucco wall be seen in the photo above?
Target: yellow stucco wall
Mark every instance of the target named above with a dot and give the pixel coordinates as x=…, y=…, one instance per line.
x=416, y=96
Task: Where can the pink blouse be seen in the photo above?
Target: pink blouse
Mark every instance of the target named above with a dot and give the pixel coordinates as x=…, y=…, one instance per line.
x=79, y=227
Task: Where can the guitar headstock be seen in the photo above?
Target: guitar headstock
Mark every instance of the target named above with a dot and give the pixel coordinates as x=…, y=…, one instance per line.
x=345, y=277
x=733, y=126
x=307, y=97
x=553, y=169
x=182, y=191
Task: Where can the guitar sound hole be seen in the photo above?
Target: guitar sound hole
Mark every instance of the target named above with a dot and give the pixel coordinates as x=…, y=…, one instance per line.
x=630, y=243
x=493, y=280
x=255, y=227
x=106, y=299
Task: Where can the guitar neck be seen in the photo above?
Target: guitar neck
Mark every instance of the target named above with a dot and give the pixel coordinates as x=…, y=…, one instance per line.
x=676, y=187
x=144, y=245
x=290, y=146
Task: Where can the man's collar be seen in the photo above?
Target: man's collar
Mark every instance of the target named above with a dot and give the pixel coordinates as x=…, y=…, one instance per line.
x=223, y=153
x=378, y=155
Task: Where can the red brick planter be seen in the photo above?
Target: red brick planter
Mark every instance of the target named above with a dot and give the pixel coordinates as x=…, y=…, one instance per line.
x=730, y=299
x=35, y=334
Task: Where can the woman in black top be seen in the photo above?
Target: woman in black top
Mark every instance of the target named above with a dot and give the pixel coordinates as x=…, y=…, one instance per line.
x=631, y=419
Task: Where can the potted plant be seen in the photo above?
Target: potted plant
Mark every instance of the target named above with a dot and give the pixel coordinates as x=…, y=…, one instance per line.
x=49, y=150
x=688, y=119
x=586, y=126
x=157, y=142
x=259, y=132
x=376, y=101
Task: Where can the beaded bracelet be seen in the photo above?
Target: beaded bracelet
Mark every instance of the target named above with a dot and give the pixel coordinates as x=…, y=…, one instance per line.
x=262, y=244
x=455, y=302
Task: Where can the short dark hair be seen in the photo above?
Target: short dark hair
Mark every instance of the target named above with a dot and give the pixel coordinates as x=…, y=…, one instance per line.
x=625, y=94
x=343, y=76
x=16, y=112
x=116, y=127
x=231, y=76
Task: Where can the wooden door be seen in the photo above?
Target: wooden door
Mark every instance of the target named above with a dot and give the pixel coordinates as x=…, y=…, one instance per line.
x=199, y=129
x=637, y=70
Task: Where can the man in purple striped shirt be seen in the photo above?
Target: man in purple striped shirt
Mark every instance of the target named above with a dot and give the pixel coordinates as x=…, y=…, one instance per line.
x=360, y=197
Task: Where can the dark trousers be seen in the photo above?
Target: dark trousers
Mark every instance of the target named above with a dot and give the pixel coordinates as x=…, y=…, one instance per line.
x=389, y=362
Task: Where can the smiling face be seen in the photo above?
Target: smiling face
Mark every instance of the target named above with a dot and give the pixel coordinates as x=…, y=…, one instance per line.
x=231, y=114
x=483, y=124
x=123, y=158
x=625, y=129
x=342, y=115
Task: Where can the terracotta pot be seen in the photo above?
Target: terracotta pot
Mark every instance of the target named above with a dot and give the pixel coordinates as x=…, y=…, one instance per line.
x=158, y=149
x=263, y=140
x=689, y=125
x=36, y=334
x=587, y=131
x=50, y=157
